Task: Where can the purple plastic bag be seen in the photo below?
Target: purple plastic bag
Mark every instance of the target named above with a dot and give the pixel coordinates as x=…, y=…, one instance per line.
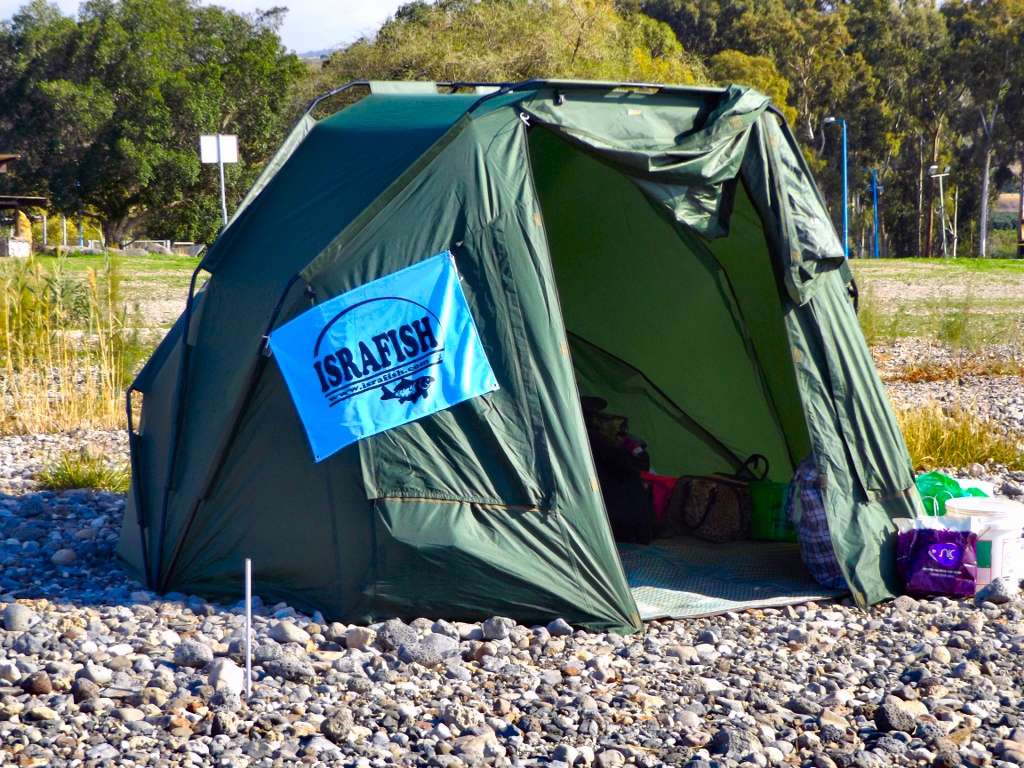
x=937, y=562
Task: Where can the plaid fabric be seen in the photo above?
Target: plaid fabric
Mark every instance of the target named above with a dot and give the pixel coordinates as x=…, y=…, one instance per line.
x=812, y=530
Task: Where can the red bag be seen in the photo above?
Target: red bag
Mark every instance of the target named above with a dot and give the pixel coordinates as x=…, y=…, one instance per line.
x=661, y=491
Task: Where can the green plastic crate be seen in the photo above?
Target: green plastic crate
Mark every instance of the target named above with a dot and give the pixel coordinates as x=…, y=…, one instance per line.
x=768, y=503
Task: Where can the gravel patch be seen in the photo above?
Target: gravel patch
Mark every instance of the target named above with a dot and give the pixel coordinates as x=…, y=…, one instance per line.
x=96, y=671
x=22, y=457
x=998, y=399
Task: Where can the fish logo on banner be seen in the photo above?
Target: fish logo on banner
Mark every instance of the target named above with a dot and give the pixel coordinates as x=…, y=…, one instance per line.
x=384, y=354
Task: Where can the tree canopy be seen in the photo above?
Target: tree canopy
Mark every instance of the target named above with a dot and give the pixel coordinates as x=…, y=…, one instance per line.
x=107, y=108
x=918, y=85
x=512, y=40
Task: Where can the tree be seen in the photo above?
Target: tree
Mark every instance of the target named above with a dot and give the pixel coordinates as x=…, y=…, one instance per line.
x=906, y=44
x=107, y=109
x=758, y=72
x=513, y=40
x=986, y=41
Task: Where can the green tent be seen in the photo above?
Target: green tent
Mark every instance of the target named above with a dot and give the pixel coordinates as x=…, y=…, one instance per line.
x=664, y=248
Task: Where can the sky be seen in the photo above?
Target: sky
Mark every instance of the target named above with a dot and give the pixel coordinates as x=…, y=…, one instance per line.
x=310, y=25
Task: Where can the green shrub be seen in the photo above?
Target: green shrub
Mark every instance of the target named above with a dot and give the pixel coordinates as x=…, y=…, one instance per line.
x=1003, y=220
x=81, y=469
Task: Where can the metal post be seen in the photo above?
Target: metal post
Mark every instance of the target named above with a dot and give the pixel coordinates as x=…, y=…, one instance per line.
x=223, y=196
x=846, y=204
x=81, y=232
x=44, y=230
x=954, y=231
x=846, y=194
x=63, y=230
x=248, y=626
x=874, y=200
x=942, y=207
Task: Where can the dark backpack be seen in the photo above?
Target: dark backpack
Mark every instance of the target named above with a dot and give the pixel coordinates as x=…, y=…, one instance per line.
x=627, y=497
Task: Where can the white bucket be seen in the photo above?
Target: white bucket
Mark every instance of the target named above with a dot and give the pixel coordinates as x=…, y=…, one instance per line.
x=998, y=523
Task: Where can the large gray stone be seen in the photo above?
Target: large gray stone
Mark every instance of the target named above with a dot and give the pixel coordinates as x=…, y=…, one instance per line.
x=735, y=743
x=418, y=653
x=18, y=617
x=497, y=628
x=189, y=653
x=290, y=669
x=395, y=633
x=560, y=628
x=445, y=645
x=998, y=592
x=288, y=632
x=267, y=652
x=336, y=727
x=890, y=716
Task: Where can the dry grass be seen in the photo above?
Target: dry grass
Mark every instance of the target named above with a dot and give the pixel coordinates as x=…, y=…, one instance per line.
x=957, y=369
x=68, y=348
x=81, y=469
x=958, y=438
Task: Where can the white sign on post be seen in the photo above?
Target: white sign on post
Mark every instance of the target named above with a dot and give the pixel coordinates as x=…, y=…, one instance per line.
x=219, y=149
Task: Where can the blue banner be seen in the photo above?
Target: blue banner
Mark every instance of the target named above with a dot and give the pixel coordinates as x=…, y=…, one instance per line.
x=384, y=354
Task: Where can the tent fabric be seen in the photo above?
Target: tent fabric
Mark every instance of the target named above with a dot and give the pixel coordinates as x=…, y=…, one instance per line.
x=678, y=261
x=288, y=146
x=629, y=306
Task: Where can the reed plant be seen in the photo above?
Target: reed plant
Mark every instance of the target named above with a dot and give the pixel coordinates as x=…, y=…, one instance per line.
x=68, y=348
x=956, y=437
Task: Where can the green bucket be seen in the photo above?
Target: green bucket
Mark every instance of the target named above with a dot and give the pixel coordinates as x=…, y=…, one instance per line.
x=768, y=502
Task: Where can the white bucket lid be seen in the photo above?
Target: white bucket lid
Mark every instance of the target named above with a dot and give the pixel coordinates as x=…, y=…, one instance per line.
x=975, y=506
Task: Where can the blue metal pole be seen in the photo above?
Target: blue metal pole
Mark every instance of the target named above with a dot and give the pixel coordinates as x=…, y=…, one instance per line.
x=874, y=200
x=846, y=202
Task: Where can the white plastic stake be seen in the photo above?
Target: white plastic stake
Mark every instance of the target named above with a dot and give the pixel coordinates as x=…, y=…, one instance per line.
x=248, y=629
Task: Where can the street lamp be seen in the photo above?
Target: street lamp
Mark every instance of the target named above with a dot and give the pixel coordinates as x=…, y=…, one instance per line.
x=933, y=172
x=846, y=206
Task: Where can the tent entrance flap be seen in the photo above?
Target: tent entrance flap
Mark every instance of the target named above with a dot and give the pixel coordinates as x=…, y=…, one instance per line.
x=631, y=286
x=656, y=324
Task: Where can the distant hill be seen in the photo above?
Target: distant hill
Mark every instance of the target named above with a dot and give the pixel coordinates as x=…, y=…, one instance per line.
x=323, y=53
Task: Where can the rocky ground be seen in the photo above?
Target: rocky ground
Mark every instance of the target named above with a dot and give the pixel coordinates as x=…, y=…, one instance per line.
x=22, y=457
x=95, y=671
x=958, y=380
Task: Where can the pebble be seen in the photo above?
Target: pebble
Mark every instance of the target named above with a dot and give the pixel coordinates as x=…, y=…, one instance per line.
x=226, y=675
x=18, y=617
x=288, y=632
x=359, y=637
x=190, y=653
x=155, y=681
x=64, y=557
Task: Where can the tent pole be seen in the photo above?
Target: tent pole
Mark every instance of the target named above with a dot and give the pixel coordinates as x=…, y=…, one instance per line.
x=248, y=629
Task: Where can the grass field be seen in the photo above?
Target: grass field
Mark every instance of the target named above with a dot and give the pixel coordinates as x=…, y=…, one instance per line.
x=907, y=298
x=156, y=285
x=75, y=330
x=972, y=305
